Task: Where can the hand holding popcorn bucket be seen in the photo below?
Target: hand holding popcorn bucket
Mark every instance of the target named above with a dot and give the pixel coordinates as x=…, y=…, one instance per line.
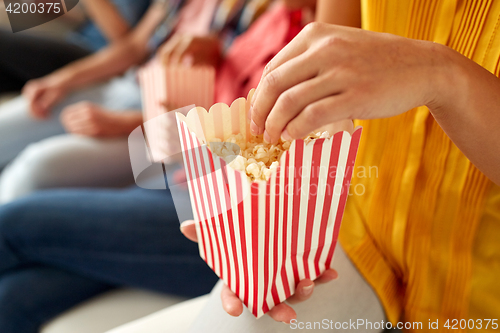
x=267, y=216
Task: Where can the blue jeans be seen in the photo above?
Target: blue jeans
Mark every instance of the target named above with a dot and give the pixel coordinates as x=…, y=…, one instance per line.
x=60, y=247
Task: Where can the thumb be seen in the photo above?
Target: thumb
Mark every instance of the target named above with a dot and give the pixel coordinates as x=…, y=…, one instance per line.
x=31, y=89
x=50, y=99
x=36, y=105
x=188, y=229
x=168, y=49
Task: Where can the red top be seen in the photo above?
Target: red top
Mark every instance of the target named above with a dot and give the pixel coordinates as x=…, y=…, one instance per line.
x=247, y=57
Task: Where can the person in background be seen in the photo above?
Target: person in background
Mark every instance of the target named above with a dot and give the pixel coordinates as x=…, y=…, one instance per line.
x=26, y=56
x=61, y=247
x=35, y=115
x=102, y=116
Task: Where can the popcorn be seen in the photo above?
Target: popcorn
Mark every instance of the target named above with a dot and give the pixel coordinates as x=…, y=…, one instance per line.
x=238, y=163
x=256, y=158
x=325, y=135
x=253, y=170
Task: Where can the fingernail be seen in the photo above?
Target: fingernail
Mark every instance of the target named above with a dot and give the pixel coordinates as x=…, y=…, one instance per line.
x=254, y=128
x=267, y=138
x=285, y=136
x=187, y=223
x=253, y=97
x=307, y=290
x=249, y=113
x=188, y=61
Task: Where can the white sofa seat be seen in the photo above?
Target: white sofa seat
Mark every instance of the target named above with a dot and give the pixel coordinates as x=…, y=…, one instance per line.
x=177, y=318
x=110, y=310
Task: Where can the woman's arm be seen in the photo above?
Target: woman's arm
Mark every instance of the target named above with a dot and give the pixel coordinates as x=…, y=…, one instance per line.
x=107, y=17
x=116, y=58
x=331, y=73
x=44, y=93
x=340, y=12
x=467, y=106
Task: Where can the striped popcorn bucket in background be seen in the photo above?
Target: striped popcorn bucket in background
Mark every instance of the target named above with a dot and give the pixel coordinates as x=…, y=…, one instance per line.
x=262, y=238
x=176, y=87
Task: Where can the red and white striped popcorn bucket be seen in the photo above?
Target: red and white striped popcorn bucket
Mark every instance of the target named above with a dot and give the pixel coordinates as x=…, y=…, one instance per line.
x=176, y=87
x=260, y=237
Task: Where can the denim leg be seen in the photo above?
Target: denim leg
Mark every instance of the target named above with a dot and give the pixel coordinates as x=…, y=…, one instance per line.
x=121, y=237
x=8, y=258
x=31, y=296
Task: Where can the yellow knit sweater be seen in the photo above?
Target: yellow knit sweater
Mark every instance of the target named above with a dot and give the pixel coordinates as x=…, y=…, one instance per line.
x=426, y=231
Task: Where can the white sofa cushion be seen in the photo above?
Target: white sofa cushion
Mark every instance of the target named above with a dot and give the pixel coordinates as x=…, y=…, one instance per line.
x=177, y=318
x=110, y=310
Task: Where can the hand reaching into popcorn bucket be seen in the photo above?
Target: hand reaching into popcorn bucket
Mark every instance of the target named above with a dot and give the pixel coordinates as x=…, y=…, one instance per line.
x=192, y=51
x=331, y=73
